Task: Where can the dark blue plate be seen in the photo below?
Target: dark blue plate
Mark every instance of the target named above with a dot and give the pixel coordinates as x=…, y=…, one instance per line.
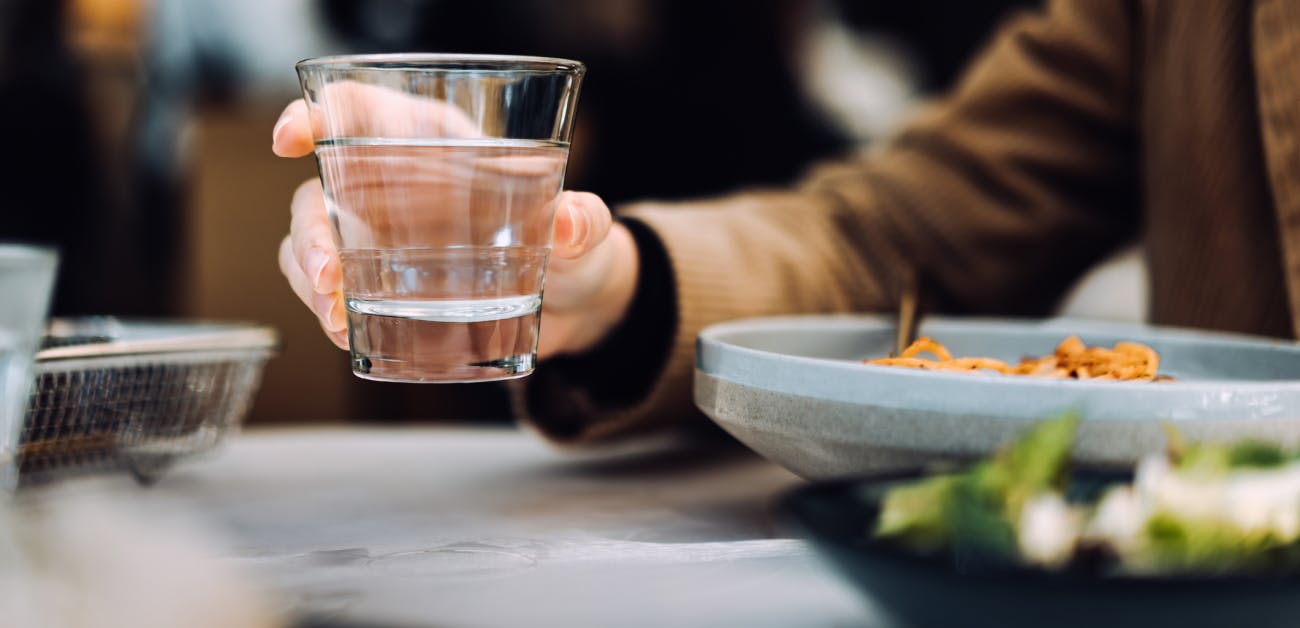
x=923, y=591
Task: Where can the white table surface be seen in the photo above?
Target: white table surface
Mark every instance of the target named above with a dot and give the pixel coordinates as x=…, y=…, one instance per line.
x=492, y=527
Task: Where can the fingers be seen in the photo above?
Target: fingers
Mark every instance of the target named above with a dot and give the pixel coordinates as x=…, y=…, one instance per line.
x=312, y=239
x=582, y=221
x=351, y=109
x=309, y=260
x=329, y=308
x=292, y=136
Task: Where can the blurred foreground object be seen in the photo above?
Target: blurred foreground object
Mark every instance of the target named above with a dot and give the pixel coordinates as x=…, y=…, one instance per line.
x=79, y=561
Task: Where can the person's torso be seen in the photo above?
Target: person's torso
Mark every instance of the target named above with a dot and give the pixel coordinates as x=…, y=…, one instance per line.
x=1215, y=235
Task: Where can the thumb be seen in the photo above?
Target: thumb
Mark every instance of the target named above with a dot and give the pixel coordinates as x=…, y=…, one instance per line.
x=582, y=221
x=292, y=135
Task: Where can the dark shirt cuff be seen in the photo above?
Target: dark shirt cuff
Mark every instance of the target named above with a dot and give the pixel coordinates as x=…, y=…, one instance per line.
x=569, y=393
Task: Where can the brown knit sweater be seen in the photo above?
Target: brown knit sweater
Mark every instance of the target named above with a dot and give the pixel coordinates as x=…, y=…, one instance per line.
x=1081, y=128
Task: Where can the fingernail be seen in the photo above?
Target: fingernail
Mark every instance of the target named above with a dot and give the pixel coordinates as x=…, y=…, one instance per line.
x=284, y=121
x=314, y=263
x=338, y=314
x=577, y=234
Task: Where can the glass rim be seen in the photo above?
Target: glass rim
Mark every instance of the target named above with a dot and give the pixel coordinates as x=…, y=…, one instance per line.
x=431, y=60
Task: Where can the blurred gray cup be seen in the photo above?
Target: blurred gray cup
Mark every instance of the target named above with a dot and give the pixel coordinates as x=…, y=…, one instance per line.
x=26, y=281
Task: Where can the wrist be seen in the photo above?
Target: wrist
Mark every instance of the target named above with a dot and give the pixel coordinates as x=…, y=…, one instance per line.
x=579, y=388
x=617, y=290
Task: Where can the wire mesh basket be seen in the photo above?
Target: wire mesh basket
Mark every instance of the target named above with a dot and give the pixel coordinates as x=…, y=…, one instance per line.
x=132, y=395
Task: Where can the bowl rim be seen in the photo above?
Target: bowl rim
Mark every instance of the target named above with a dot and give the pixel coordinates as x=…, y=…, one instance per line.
x=715, y=339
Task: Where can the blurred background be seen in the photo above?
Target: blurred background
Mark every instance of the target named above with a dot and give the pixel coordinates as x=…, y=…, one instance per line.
x=142, y=129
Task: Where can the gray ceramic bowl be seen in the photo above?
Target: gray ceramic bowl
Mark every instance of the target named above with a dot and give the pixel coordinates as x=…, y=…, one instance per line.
x=794, y=389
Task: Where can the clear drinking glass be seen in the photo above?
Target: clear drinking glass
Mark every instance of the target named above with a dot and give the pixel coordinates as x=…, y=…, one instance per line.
x=26, y=280
x=440, y=175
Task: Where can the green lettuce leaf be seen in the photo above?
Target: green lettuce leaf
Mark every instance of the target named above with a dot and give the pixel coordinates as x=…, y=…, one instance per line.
x=974, y=513
x=1178, y=545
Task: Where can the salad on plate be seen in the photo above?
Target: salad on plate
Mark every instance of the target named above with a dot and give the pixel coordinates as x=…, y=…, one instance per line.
x=1196, y=509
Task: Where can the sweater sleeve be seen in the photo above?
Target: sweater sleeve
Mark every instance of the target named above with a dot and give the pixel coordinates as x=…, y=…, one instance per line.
x=998, y=196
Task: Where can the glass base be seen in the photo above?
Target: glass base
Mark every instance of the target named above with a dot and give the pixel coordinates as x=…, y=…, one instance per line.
x=395, y=349
x=513, y=367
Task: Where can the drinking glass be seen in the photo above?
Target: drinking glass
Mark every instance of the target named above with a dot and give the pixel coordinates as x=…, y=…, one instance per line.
x=26, y=280
x=440, y=175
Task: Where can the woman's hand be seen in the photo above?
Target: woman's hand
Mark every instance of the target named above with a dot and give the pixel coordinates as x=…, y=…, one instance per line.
x=590, y=279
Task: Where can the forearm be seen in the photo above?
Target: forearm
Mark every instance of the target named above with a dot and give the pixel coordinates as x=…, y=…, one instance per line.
x=1004, y=192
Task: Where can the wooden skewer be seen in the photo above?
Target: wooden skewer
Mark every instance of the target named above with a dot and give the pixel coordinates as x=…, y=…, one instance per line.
x=908, y=310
